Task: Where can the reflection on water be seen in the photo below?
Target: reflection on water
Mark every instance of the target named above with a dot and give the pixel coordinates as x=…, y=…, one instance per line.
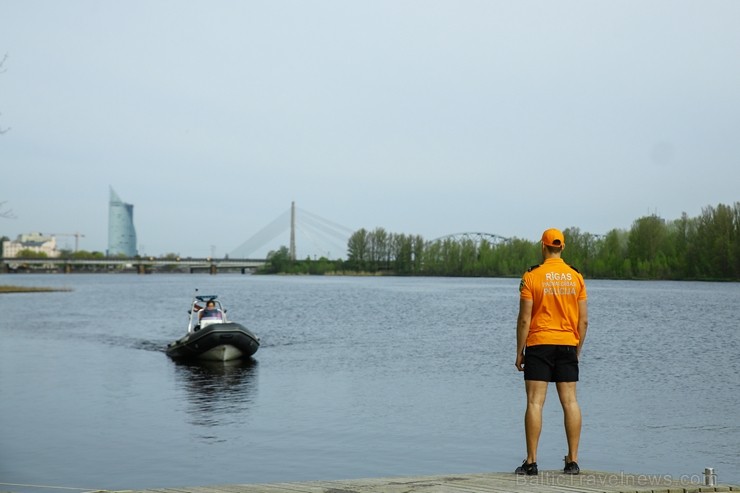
x=217, y=392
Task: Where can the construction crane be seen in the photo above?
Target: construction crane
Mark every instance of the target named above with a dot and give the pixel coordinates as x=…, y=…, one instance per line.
x=76, y=235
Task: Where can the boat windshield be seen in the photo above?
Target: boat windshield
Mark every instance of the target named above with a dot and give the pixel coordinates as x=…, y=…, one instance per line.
x=213, y=313
x=209, y=316
x=207, y=310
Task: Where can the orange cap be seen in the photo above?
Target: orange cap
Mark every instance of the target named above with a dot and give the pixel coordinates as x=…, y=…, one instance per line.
x=553, y=237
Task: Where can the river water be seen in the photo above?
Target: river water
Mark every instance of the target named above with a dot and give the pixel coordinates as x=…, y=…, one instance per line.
x=356, y=377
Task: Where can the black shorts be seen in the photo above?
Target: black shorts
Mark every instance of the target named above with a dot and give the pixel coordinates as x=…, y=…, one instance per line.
x=551, y=363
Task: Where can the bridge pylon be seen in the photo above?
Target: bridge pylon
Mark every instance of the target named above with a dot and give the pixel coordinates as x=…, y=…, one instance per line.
x=291, y=251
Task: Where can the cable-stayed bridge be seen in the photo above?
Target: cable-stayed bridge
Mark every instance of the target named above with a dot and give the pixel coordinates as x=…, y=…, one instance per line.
x=317, y=234
x=312, y=232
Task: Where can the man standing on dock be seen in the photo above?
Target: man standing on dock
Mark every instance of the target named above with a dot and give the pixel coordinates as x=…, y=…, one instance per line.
x=551, y=328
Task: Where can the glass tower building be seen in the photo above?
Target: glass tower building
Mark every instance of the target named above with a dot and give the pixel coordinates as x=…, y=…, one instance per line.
x=121, y=232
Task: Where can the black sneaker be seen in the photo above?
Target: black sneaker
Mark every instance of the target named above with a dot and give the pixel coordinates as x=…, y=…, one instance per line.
x=571, y=467
x=527, y=469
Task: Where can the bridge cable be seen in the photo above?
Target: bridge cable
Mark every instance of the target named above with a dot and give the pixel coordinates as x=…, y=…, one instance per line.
x=278, y=226
x=310, y=224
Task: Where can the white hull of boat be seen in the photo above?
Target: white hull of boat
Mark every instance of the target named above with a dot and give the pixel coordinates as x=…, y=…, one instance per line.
x=223, y=352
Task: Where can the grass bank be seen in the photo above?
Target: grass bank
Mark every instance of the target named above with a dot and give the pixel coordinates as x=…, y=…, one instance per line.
x=29, y=289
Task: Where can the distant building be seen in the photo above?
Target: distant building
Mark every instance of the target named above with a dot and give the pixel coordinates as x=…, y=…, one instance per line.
x=35, y=242
x=121, y=231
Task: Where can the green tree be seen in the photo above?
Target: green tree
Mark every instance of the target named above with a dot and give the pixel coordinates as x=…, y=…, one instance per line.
x=580, y=249
x=402, y=248
x=358, y=250
x=736, y=223
x=683, y=231
x=451, y=258
x=379, y=249
x=517, y=256
x=27, y=253
x=278, y=261
x=714, y=249
x=81, y=255
x=417, y=253
x=322, y=266
x=610, y=253
x=486, y=259
x=647, y=237
x=432, y=259
x=468, y=258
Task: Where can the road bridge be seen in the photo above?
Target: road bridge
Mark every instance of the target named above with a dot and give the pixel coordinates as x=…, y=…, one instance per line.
x=135, y=264
x=477, y=238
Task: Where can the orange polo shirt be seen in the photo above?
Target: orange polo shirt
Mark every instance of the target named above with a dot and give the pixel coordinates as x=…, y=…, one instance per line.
x=555, y=289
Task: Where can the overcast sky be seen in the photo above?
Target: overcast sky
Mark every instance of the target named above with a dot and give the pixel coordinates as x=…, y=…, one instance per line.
x=422, y=117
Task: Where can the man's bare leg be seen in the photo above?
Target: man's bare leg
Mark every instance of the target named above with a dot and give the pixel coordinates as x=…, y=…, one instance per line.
x=571, y=417
x=536, y=393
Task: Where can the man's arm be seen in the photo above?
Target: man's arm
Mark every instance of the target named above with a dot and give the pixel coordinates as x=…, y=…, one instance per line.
x=582, y=324
x=523, y=320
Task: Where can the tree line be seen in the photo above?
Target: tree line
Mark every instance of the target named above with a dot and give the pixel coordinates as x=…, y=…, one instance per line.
x=706, y=247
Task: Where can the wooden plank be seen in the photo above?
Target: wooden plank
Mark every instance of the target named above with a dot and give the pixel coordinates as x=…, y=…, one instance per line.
x=545, y=482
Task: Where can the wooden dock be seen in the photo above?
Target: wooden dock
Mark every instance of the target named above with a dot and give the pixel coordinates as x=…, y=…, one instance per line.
x=545, y=482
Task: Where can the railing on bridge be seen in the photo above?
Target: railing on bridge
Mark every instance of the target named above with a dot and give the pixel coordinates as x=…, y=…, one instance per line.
x=141, y=265
x=477, y=238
